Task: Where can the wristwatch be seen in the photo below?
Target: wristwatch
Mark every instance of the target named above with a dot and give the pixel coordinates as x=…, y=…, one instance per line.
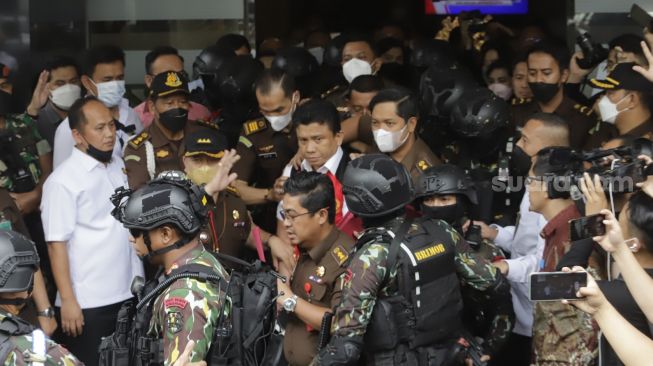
x=290, y=303
x=47, y=313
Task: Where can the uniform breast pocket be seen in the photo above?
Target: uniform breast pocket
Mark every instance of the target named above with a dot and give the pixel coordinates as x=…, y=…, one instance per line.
x=318, y=291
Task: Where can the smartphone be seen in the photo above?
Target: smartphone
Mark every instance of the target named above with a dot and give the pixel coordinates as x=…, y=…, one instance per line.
x=586, y=227
x=641, y=17
x=554, y=286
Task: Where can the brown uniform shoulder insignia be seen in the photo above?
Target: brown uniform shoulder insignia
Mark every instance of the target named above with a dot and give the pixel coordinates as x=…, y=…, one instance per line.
x=253, y=126
x=233, y=190
x=207, y=123
x=518, y=101
x=423, y=165
x=340, y=254
x=138, y=140
x=330, y=92
x=583, y=109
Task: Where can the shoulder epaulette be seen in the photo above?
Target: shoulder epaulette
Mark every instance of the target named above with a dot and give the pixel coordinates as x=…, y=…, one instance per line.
x=233, y=190
x=518, y=101
x=583, y=109
x=330, y=92
x=340, y=254
x=138, y=140
x=207, y=123
x=253, y=126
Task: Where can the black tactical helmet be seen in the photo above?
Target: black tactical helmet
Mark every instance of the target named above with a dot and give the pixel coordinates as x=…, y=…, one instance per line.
x=209, y=61
x=18, y=262
x=446, y=179
x=295, y=61
x=236, y=78
x=431, y=52
x=169, y=199
x=441, y=88
x=375, y=185
x=479, y=113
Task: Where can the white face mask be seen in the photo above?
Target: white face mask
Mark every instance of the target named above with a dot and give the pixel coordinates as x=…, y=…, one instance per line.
x=278, y=123
x=110, y=93
x=197, y=83
x=388, y=141
x=64, y=96
x=502, y=91
x=355, y=68
x=608, y=110
x=318, y=53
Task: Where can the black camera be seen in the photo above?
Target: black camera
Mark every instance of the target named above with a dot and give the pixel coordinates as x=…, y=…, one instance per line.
x=593, y=53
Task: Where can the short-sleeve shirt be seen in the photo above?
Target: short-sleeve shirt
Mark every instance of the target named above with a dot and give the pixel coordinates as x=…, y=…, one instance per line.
x=76, y=209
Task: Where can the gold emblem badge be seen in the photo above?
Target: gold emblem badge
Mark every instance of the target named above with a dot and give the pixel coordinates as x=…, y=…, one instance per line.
x=235, y=214
x=172, y=80
x=162, y=153
x=320, y=271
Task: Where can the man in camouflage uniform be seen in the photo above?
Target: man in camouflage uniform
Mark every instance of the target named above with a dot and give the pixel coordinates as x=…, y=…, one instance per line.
x=410, y=322
x=24, y=343
x=188, y=309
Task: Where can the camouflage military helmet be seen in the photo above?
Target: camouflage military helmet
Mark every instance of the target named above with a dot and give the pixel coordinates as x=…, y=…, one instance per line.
x=375, y=185
x=169, y=199
x=446, y=179
x=479, y=113
x=18, y=262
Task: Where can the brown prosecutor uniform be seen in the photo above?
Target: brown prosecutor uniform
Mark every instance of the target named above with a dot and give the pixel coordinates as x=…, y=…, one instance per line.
x=580, y=119
x=229, y=225
x=264, y=153
x=318, y=279
x=419, y=159
x=167, y=153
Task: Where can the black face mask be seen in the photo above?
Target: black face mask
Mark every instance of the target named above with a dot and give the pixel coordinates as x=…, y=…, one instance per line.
x=452, y=214
x=544, y=92
x=99, y=155
x=174, y=119
x=520, y=162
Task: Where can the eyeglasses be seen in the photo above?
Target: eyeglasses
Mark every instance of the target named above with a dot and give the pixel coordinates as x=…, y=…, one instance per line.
x=136, y=233
x=285, y=216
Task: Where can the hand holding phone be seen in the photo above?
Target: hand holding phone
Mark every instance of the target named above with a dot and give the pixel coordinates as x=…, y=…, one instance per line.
x=586, y=227
x=554, y=286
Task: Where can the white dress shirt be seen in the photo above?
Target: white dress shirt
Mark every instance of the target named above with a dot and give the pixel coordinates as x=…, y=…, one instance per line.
x=76, y=209
x=331, y=165
x=526, y=247
x=64, y=142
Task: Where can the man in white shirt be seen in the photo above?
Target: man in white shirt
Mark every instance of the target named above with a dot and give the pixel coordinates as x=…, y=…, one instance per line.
x=104, y=78
x=92, y=260
x=319, y=139
x=524, y=241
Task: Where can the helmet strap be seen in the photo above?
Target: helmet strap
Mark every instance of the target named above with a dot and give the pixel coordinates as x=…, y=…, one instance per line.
x=152, y=253
x=16, y=301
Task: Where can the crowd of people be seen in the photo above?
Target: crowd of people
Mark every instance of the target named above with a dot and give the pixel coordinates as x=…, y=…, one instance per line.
x=401, y=189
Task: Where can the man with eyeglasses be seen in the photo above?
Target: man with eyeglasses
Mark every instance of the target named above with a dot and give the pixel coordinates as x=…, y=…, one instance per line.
x=316, y=284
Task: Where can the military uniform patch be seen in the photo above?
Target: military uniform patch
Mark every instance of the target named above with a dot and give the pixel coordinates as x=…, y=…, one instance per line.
x=206, y=123
x=245, y=141
x=233, y=190
x=583, y=109
x=174, y=322
x=176, y=302
x=254, y=126
x=138, y=140
x=517, y=101
x=162, y=154
x=423, y=165
x=339, y=254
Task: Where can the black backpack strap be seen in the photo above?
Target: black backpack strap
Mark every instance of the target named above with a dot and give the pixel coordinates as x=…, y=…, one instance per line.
x=206, y=273
x=395, y=245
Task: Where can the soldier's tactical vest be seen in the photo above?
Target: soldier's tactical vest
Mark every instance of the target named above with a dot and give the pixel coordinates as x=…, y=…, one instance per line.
x=427, y=307
x=16, y=327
